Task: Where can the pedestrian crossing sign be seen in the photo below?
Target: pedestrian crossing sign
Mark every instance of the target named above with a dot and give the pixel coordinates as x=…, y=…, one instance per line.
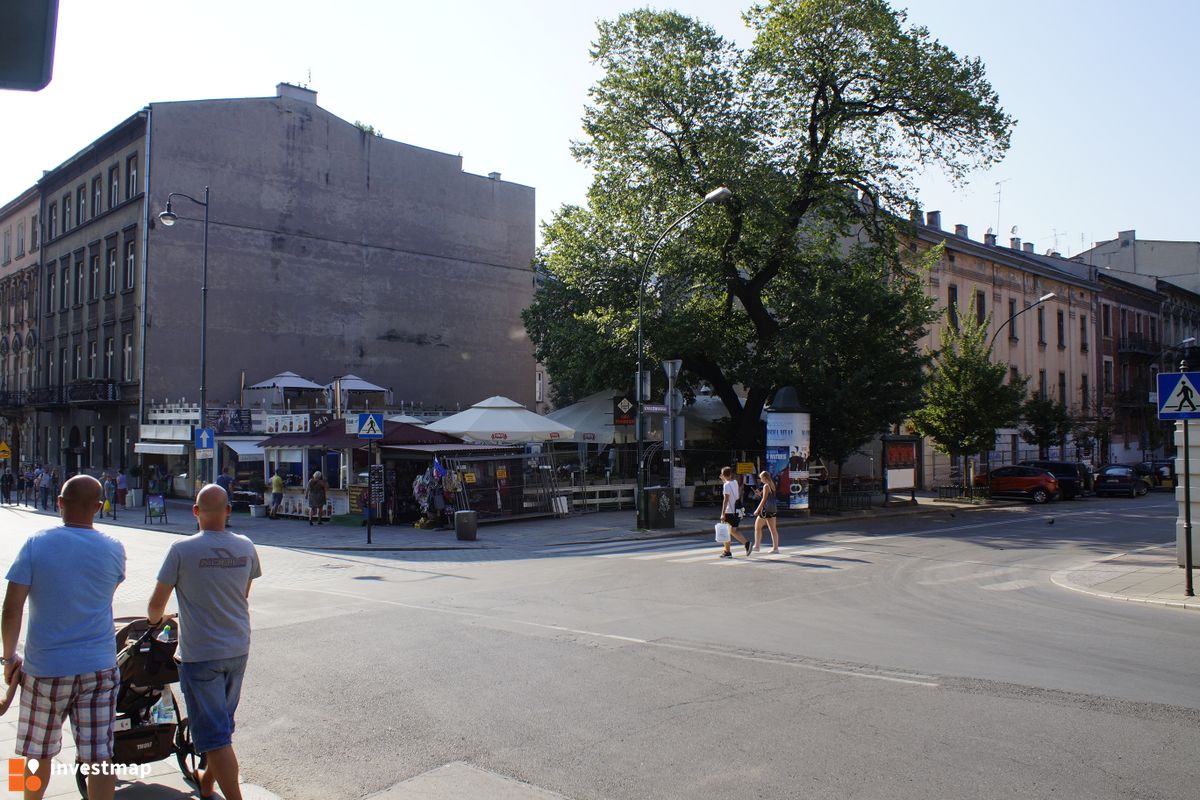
x=1177, y=395
x=370, y=426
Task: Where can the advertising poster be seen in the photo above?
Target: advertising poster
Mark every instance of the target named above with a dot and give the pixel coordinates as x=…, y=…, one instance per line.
x=788, y=440
x=287, y=423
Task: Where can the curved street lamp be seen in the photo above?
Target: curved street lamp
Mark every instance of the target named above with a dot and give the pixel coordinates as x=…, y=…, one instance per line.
x=1040, y=300
x=719, y=195
x=168, y=218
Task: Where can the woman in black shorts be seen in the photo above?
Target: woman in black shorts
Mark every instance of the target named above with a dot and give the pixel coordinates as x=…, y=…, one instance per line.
x=768, y=508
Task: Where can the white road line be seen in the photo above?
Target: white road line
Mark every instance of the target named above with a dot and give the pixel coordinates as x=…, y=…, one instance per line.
x=891, y=678
x=1009, y=586
x=991, y=573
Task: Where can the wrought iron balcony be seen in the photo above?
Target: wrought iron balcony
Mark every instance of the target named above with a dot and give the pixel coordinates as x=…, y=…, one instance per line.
x=47, y=396
x=91, y=392
x=1138, y=345
x=12, y=399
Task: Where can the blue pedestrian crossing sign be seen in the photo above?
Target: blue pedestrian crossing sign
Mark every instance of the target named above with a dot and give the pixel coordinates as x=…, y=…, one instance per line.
x=370, y=426
x=1177, y=395
x=206, y=439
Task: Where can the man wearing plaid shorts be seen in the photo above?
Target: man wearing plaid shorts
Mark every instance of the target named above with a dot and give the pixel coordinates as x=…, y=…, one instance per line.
x=69, y=575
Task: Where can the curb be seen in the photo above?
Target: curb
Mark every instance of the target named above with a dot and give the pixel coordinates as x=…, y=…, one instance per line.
x=1062, y=579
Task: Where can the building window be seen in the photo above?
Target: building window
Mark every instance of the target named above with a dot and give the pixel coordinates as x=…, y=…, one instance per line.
x=130, y=262
x=1083, y=333
x=1124, y=323
x=1062, y=388
x=951, y=306
x=110, y=271
x=79, y=282
x=20, y=238
x=980, y=308
x=1041, y=325
x=1062, y=330
x=1125, y=383
x=1013, y=374
x=62, y=366
x=91, y=373
x=64, y=289
x=106, y=452
x=1042, y=384
x=52, y=221
x=1153, y=321
x=66, y=213
x=127, y=357
x=114, y=186
x=537, y=387
x=7, y=246
x=1108, y=376
x=35, y=233
x=1012, y=326
x=94, y=278
x=50, y=293
x=80, y=204
x=109, y=351
x=1084, y=395
x=1106, y=321
x=131, y=184
x=77, y=368
x=97, y=196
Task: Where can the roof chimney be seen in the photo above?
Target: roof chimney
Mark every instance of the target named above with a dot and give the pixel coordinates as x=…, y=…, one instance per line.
x=1027, y=247
x=933, y=219
x=989, y=239
x=914, y=215
x=496, y=176
x=294, y=92
x=1014, y=243
x=961, y=230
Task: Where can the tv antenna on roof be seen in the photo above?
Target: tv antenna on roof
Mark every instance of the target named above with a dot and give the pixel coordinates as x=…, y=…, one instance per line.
x=999, y=186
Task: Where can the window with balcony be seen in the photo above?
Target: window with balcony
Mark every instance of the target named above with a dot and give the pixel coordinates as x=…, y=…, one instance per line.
x=109, y=352
x=77, y=368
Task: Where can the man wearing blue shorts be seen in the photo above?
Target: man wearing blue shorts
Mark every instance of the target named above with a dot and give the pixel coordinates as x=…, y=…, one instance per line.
x=68, y=575
x=211, y=573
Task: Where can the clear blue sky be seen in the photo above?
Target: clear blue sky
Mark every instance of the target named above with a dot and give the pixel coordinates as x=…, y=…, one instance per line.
x=1105, y=92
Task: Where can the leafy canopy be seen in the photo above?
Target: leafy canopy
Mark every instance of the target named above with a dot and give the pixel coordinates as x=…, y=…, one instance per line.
x=819, y=129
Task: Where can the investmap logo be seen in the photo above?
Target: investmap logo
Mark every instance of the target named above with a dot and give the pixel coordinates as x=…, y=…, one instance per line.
x=21, y=777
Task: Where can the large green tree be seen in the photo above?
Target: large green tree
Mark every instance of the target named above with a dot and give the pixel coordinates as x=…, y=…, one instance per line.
x=1046, y=422
x=818, y=128
x=967, y=397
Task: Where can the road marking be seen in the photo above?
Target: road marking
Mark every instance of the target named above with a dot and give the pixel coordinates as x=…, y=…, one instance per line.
x=883, y=675
x=1009, y=586
x=991, y=573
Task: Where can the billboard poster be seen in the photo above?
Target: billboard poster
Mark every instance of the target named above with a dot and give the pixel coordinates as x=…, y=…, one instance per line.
x=287, y=423
x=789, y=435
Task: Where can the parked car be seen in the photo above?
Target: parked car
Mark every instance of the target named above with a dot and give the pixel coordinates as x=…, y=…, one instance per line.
x=1160, y=472
x=1120, y=479
x=1030, y=483
x=1074, y=478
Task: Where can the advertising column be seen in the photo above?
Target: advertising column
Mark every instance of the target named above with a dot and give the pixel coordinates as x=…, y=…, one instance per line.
x=789, y=436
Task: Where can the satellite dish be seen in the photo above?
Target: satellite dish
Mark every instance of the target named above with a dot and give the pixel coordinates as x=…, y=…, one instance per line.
x=1014, y=230
x=991, y=231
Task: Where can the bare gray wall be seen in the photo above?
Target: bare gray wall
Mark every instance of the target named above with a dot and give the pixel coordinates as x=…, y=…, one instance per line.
x=333, y=251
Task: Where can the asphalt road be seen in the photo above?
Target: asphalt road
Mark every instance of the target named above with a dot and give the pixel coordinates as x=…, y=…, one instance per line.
x=922, y=657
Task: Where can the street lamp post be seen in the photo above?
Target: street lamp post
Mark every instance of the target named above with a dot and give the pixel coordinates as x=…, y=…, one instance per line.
x=1040, y=300
x=718, y=195
x=169, y=218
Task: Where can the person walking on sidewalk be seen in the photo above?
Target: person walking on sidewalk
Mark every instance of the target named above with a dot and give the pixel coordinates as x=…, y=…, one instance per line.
x=730, y=492
x=45, y=483
x=315, y=492
x=69, y=575
x=766, y=513
x=211, y=572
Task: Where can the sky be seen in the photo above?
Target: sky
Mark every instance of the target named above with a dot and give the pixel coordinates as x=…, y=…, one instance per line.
x=1104, y=92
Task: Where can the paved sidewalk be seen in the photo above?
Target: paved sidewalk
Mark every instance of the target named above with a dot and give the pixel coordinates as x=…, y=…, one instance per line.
x=1149, y=575
x=576, y=528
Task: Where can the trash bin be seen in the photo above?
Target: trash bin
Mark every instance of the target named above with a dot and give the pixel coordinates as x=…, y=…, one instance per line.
x=658, y=507
x=465, y=525
x=687, y=496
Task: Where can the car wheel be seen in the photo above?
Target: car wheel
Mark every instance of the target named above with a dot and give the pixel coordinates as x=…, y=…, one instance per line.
x=1039, y=496
x=1139, y=491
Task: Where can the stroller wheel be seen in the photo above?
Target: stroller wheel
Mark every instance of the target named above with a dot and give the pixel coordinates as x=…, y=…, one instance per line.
x=190, y=762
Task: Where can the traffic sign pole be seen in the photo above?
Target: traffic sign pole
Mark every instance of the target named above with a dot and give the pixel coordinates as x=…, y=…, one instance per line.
x=1180, y=389
x=1187, y=506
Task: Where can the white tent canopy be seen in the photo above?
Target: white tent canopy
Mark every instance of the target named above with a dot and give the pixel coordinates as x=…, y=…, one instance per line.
x=287, y=380
x=499, y=420
x=406, y=419
x=353, y=383
x=591, y=417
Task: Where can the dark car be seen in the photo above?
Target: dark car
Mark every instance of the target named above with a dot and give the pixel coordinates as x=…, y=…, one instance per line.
x=1073, y=476
x=1120, y=479
x=1030, y=483
x=1158, y=473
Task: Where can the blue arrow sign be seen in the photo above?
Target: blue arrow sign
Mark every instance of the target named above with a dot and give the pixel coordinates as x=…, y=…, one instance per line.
x=370, y=426
x=205, y=438
x=1177, y=395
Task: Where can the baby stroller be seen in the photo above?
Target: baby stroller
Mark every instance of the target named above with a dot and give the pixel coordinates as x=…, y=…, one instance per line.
x=149, y=724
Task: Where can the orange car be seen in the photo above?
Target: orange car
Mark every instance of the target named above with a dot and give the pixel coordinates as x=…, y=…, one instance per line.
x=1030, y=483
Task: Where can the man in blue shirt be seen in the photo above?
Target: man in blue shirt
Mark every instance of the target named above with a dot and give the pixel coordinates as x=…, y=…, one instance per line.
x=69, y=575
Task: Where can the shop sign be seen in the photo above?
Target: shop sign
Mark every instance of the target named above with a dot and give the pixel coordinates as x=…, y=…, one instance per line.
x=502, y=472
x=468, y=477
x=499, y=436
x=745, y=468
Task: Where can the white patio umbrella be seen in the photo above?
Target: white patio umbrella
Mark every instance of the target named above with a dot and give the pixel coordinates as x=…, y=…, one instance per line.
x=405, y=418
x=591, y=417
x=286, y=380
x=499, y=420
x=353, y=383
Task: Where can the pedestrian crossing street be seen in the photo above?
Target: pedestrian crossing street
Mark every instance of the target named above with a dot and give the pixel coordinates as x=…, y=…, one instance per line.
x=688, y=551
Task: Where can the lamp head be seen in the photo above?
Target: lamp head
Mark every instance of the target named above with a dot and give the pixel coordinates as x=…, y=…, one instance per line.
x=1047, y=296
x=168, y=217
x=718, y=195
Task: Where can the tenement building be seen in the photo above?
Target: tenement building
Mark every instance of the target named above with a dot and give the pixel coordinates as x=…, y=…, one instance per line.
x=323, y=249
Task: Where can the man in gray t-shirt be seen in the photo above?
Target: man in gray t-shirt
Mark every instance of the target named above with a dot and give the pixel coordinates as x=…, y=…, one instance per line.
x=211, y=573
